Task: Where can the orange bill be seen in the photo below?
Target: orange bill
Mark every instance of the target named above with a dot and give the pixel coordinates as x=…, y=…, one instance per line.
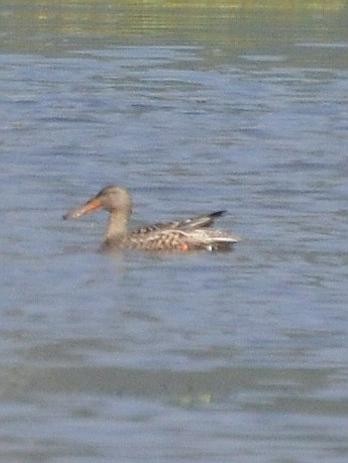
x=91, y=206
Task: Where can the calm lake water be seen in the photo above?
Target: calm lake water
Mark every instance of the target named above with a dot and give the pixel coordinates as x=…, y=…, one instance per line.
x=211, y=358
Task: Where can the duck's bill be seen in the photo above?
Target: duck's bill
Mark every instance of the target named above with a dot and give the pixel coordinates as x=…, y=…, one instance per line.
x=91, y=206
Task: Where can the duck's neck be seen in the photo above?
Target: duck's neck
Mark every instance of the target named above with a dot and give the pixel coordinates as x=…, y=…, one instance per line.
x=117, y=226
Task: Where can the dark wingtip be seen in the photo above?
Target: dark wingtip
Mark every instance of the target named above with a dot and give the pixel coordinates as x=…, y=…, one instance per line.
x=217, y=213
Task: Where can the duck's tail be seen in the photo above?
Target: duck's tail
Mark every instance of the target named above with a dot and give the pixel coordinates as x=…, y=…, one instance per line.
x=211, y=240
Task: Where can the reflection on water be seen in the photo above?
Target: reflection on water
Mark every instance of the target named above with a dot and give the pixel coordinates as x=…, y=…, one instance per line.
x=238, y=106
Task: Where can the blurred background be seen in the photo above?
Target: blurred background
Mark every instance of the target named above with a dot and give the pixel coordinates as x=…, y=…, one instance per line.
x=194, y=106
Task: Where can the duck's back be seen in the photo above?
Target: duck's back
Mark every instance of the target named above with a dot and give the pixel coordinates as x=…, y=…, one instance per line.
x=199, y=221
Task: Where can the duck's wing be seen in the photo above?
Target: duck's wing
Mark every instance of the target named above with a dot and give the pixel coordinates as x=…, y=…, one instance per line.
x=182, y=240
x=199, y=221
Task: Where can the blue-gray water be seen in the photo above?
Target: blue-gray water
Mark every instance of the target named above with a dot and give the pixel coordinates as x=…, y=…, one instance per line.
x=211, y=357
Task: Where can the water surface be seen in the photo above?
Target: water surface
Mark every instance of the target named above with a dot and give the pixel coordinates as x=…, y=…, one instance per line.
x=207, y=357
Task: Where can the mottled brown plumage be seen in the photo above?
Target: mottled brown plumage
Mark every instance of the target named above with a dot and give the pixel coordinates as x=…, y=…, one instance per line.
x=181, y=235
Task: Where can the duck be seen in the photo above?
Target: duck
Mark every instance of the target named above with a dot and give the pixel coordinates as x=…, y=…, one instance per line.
x=184, y=235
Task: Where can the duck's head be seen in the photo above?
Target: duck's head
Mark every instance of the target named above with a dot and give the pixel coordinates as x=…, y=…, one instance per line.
x=111, y=198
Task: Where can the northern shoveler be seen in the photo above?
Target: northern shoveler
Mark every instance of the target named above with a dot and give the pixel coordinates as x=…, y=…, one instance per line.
x=182, y=235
